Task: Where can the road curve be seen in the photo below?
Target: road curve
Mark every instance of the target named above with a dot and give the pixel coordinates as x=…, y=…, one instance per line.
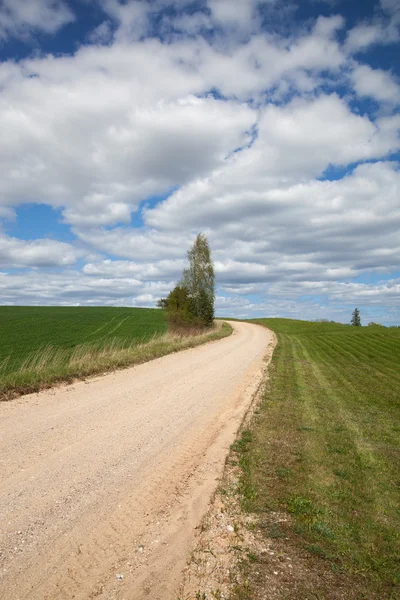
x=103, y=482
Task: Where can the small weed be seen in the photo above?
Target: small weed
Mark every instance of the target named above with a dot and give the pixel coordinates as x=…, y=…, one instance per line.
x=323, y=530
x=300, y=506
x=316, y=550
x=252, y=556
x=242, y=443
x=247, y=490
x=341, y=474
x=242, y=591
x=274, y=531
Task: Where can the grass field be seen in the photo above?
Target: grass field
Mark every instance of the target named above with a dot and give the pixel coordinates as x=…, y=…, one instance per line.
x=321, y=462
x=42, y=345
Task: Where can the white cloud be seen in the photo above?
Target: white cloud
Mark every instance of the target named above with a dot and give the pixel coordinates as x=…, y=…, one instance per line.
x=263, y=229
x=91, y=135
x=376, y=83
x=295, y=142
x=102, y=34
x=37, y=253
x=139, y=245
x=21, y=18
x=383, y=28
x=236, y=14
x=74, y=287
x=165, y=270
x=101, y=131
x=362, y=36
x=390, y=6
x=132, y=18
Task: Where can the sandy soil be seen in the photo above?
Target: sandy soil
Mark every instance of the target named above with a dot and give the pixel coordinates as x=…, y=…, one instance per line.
x=102, y=483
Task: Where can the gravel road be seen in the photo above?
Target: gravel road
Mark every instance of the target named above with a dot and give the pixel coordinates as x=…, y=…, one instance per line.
x=103, y=482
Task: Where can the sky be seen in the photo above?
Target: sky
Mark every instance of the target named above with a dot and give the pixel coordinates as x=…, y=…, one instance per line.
x=129, y=126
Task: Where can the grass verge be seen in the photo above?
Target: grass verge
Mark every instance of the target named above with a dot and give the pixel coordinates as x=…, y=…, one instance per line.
x=49, y=365
x=320, y=466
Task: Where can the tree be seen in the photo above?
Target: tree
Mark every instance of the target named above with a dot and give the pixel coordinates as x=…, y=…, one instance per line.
x=355, y=318
x=199, y=279
x=191, y=302
x=162, y=303
x=178, y=307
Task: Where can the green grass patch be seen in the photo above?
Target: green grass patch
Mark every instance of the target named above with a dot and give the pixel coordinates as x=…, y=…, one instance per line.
x=44, y=345
x=325, y=451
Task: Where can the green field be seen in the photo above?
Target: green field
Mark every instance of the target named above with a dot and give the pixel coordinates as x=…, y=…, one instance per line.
x=27, y=329
x=38, y=343
x=324, y=452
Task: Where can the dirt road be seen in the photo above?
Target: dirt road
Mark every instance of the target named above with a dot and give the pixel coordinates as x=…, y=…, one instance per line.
x=102, y=483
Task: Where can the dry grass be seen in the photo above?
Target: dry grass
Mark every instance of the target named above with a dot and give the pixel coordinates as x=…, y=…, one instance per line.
x=48, y=365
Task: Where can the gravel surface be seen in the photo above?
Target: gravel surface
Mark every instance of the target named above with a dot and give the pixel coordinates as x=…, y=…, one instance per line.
x=102, y=483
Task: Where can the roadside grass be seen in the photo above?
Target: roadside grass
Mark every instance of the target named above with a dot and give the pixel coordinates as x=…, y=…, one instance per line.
x=320, y=464
x=27, y=370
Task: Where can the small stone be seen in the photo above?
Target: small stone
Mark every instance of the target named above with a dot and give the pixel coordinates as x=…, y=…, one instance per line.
x=230, y=528
x=140, y=548
x=119, y=576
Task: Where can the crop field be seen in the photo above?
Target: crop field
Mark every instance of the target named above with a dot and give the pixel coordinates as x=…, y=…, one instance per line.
x=27, y=329
x=321, y=463
x=38, y=342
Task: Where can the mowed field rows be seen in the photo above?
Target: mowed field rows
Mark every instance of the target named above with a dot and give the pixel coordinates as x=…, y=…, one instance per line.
x=321, y=463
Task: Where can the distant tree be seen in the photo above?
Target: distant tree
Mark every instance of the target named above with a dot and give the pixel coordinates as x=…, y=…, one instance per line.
x=372, y=324
x=162, y=303
x=355, y=318
x=191, y=302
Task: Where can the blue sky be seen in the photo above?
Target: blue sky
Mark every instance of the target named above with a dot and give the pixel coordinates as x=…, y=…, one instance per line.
x=274, y=127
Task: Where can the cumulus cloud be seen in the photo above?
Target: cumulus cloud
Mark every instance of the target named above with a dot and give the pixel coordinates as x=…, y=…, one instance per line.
x=314, y=229
x=239, y=15
x=295, y=143
x=362, y=36
x=99, y=132
x=84, y=134
x=376, y=83
x=166, y=270
x=383, y=28
x=19, y=18
x=37, y=253
x=74, y=287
